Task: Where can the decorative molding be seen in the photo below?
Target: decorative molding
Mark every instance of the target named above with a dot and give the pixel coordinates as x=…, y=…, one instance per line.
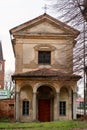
x=44, y=47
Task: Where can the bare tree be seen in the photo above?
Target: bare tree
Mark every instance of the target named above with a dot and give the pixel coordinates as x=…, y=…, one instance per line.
x=74, y=13
x=9, y=84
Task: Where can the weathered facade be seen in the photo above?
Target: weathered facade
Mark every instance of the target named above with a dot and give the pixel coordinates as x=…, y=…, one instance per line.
x=45, y=83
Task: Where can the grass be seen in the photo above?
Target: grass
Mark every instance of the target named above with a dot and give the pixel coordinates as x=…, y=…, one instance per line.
x=57, y=125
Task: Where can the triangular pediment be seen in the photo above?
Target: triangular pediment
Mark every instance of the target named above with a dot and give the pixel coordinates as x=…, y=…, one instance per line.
x=44, y=24
x=43, y=28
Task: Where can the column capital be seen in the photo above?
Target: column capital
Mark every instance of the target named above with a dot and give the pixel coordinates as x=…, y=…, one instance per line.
x=57, y=92
x=74, y=93
x=34, y=92
x=17, y=92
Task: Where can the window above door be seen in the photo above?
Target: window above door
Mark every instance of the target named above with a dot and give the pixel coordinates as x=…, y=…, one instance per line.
x=44, y=57
x=44, y=54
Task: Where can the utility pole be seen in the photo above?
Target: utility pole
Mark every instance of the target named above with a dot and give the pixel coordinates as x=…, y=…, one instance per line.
x=85, y=97
x=84, y=15
x=85, y=81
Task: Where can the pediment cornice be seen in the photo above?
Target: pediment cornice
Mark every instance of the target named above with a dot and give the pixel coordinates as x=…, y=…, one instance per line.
x=44, y=25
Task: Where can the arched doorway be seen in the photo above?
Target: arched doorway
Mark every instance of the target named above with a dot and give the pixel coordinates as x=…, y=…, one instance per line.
x=45, y=98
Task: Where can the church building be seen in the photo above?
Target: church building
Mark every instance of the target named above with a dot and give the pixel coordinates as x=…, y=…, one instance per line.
x=45, y=86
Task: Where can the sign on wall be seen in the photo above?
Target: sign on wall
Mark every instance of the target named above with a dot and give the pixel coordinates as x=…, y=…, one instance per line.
x=4, y=94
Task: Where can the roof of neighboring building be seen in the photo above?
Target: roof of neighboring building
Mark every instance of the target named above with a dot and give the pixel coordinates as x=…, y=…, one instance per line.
x=1, y=53
x=80, y=99
x=47, y=73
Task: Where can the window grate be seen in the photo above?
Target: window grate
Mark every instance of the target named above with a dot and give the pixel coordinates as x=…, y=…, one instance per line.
x=25, y=108
x=62, y=107
x=44, y=57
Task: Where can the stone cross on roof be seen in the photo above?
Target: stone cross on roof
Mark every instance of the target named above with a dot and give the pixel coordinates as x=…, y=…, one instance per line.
x=45, y=8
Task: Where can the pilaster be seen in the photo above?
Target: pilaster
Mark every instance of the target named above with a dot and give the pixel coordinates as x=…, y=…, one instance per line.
x=34, y=107
x=17, y=106
x=56, y=107
x=74, y=105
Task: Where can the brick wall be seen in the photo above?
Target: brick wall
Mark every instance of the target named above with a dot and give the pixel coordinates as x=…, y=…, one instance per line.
x=7, y=108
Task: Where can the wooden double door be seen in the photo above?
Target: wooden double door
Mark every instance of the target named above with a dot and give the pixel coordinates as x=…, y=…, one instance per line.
x=44, y=110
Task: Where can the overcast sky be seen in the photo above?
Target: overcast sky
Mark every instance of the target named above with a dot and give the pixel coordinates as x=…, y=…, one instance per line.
x=14, y=13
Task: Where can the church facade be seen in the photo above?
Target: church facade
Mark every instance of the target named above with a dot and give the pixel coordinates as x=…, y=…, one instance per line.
x=45, y=86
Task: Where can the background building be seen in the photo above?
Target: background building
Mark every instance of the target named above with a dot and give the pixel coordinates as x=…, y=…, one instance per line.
x=6, y=104
x=2, y=68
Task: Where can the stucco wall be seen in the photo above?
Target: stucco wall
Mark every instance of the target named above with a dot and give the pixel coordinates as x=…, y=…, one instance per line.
x=27, y=87
x=44, y=34
x=27, y=56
